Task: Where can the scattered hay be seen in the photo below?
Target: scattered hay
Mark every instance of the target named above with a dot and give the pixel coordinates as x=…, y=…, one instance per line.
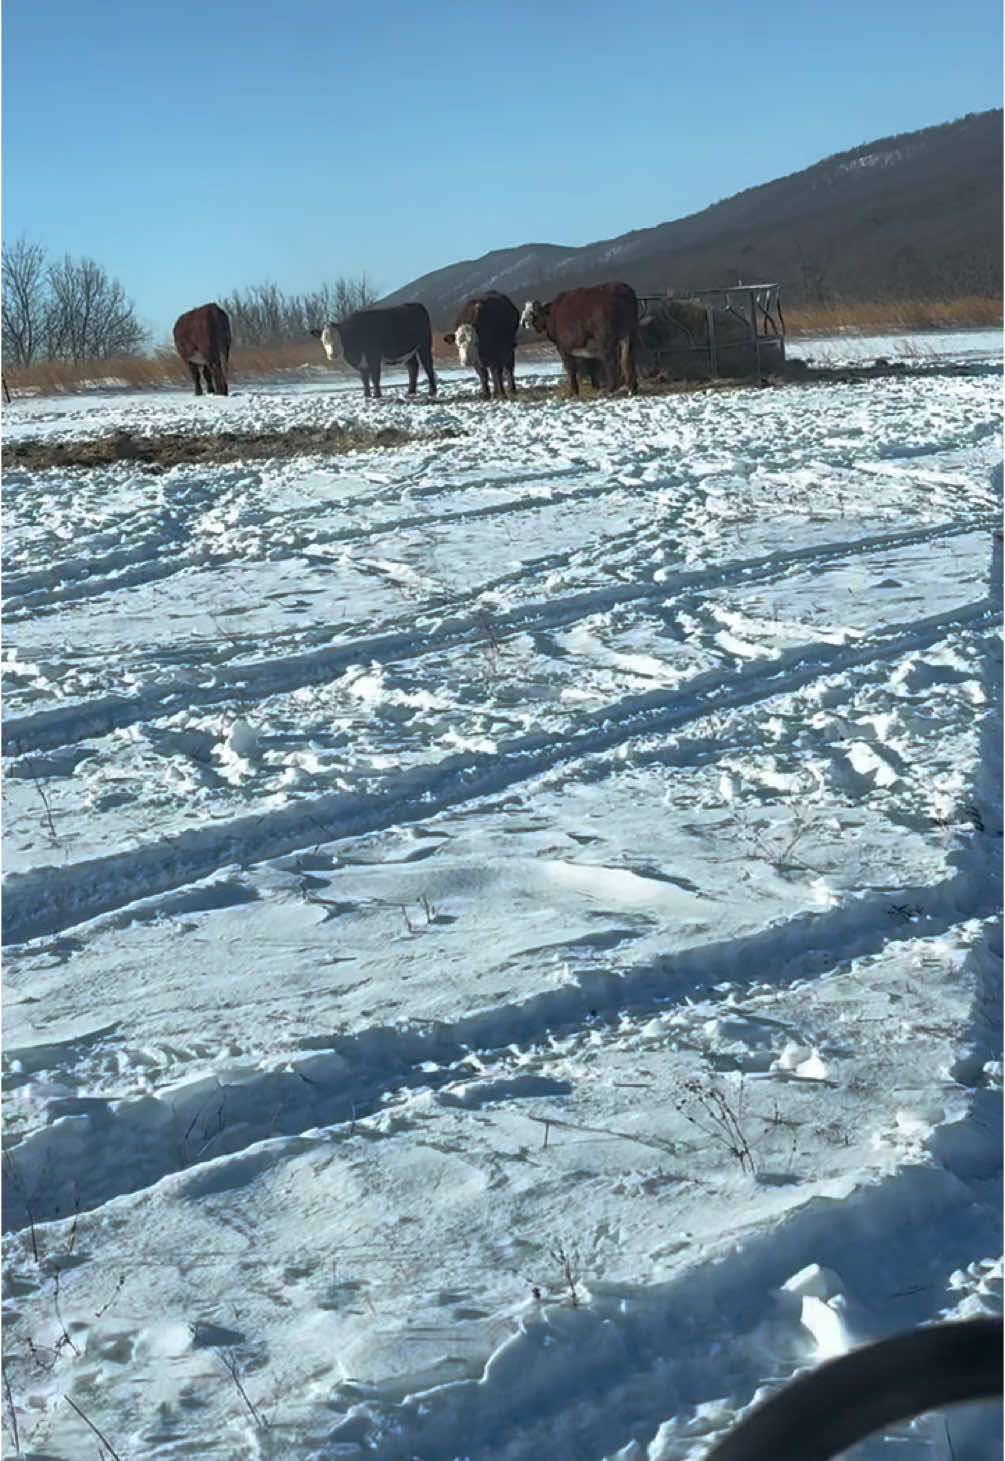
x=791, y=371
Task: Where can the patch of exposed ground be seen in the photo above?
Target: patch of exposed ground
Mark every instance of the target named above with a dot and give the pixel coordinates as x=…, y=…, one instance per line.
x=172, y=448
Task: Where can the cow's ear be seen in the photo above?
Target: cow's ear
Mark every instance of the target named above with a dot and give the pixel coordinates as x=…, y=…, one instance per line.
x=449, y=339
x=316, y=334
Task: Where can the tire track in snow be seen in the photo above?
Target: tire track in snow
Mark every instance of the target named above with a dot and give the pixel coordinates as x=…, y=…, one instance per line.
x=48, y=591
x=94, y=1149
x=85, y=574
x=47, y=900
x=251, y=681
x=600, y=1376
x=587, y=1383
x=143, y=563
x=117, y=541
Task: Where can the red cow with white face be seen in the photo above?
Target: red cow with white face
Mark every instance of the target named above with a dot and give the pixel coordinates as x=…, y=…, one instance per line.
x=595, y=327
x=485, y=336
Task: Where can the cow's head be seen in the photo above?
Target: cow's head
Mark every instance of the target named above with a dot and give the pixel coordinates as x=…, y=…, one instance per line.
x=466, y=340
x=331, y=339
x=535, y=316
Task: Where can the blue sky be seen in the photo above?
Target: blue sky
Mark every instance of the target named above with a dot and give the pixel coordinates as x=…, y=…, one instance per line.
x=195, y=148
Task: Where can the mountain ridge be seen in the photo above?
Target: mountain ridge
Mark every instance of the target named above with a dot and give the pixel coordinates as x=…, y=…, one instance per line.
x=913, y=215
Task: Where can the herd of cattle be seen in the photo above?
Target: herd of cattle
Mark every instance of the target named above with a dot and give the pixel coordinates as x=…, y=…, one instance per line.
x=594, y=329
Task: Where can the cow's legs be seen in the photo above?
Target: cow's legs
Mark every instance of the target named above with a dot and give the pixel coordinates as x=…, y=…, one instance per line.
x=196, y=377
x=497, y=381
x=572, y=371
x=364, y=376
x=412, y=366
x=375, y=378
x=628, y=366
x=508, y=376
x=207, y=376
x=483, y=376
x=219, y=379
x=426, y=355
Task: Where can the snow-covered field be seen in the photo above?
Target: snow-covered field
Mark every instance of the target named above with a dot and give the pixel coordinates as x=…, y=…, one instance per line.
x=502, y=949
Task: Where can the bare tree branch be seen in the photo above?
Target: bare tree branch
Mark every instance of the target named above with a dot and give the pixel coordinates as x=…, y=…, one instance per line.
x=89, y=317
x=24, y=294
x=264, y=315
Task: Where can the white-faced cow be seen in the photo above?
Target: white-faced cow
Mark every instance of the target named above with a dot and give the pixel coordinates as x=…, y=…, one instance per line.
x=202, y=339
x=591, y=325
x=375, y=337
x=485, y=336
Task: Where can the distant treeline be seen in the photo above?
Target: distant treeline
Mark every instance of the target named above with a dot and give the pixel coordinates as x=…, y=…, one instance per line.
x=70, y=311
x=265, y=315
x=65, y=311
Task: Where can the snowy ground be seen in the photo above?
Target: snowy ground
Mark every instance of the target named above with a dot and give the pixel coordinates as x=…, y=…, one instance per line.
x=502, y=950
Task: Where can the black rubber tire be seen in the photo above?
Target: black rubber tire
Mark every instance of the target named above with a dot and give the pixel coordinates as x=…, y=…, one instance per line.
x=845, y=1400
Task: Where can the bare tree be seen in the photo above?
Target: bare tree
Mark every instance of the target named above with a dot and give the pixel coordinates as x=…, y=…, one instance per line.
x=257, y=317
x=264, y=315
x=24, y=301
x=339, y=299
x=89, y=316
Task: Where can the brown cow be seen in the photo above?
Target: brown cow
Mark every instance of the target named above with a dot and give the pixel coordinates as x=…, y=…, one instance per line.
x=485, y=336
x=596, y=324
x=202, y=339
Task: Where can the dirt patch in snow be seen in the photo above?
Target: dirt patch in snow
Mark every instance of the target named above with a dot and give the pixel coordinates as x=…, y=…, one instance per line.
x=171, y=449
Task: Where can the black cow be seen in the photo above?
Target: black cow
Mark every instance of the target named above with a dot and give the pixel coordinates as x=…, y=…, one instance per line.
x=375, y=337
x=485, y=336
x=591, y=325
x=202, y=339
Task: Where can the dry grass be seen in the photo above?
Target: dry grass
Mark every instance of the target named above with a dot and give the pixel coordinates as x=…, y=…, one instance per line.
x=163, y=367
x=51, y=376
x=258, y=360
x=908, y=314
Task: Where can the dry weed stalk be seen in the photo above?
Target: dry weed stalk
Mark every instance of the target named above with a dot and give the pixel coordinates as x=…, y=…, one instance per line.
x=47, y=817
x=229, y=1361
x=570, y=1271
x=720, y=1118
x=103, y=1439
x=11, y=1412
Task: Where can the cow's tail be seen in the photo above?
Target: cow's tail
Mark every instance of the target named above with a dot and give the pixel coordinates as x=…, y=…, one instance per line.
x=220, y=356
x=224, y=337
x=628, y=366
x=428, y=361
